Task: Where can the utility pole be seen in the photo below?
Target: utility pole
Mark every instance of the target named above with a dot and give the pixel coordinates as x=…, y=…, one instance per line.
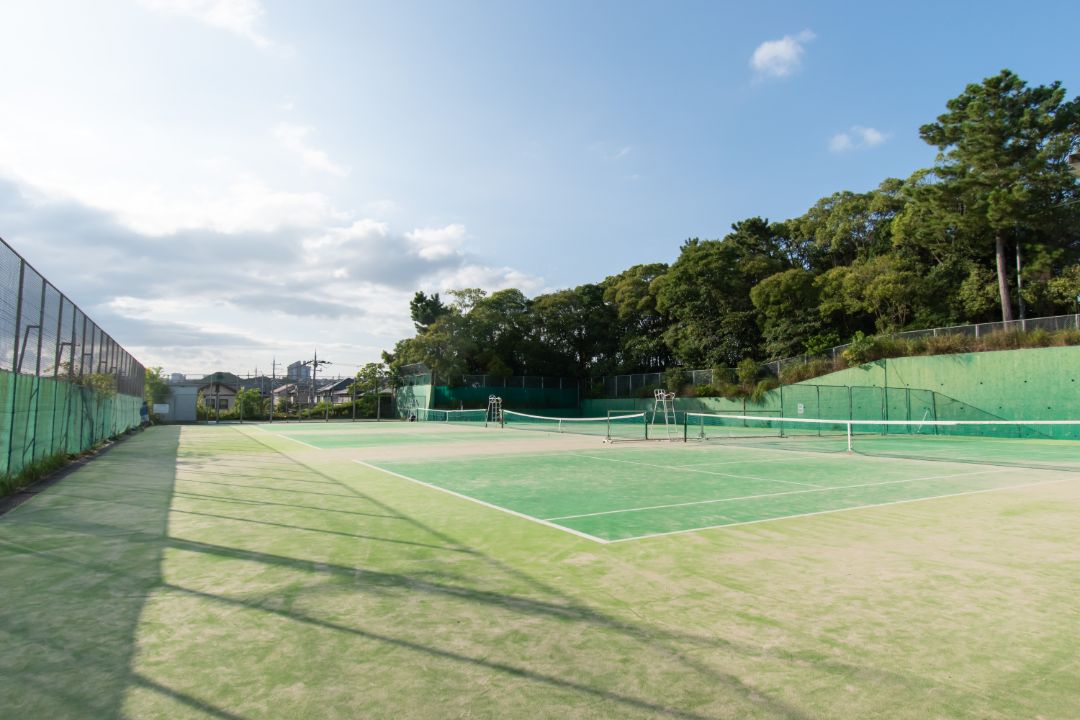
x=378, y=393
x=273, y=382
x=315, y=362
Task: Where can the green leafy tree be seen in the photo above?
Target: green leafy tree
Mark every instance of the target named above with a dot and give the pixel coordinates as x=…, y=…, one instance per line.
x=847, y=226
x=787, y=306
x=249, y=404
x=466, y=299
x=499, y=325
x=574, y=333
x=155, y=389
x=446, y=347
x=371, y=380
x=1065, y=288
x=641, y=325
x=1002, y=170
x=426, y=309
x=706, y=292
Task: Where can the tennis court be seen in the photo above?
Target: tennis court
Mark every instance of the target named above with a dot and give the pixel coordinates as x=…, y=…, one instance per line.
x=757, y=471
x=246, y=572
x=330, y=436
x=623, y=493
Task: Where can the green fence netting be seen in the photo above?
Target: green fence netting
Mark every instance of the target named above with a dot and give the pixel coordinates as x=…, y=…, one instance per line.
x=514, y=398
x=40, y=417
x=65, y=385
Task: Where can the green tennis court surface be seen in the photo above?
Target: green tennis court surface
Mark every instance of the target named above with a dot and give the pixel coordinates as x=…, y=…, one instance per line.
x=229, y=573
x=364, y=435
x=625, y=492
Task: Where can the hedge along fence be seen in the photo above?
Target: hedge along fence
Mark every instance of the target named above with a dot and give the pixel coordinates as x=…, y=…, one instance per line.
x=866, y=348
x=752, y=379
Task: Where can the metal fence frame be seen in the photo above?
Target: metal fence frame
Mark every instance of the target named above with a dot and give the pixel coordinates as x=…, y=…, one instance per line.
x=1049, y=323
x=618, y=386
x=45, y=335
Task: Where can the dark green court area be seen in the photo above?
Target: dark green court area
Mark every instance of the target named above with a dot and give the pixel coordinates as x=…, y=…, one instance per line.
x=623, y=492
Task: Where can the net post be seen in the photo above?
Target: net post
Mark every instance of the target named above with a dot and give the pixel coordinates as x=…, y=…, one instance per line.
x=849, y=448
x=645, y=420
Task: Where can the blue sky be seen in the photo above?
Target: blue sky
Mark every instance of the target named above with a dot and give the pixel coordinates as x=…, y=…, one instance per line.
x=221, y=182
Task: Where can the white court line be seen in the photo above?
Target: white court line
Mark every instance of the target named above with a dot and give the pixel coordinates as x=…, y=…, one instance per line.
x=289, y=437
x=703, y=472
x=485, y=504
x=777, y=494
x=279, y=435
x=793, y=456
x=837, y=510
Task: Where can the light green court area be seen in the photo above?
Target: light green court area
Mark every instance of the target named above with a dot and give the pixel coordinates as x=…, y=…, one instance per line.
x=626, y=492
x=226, y=573
x=365, y=435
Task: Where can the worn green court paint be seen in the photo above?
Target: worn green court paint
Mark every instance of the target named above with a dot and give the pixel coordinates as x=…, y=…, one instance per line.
x=618, y=493
x=221, y=573
x=330, y=436
x=330, y=441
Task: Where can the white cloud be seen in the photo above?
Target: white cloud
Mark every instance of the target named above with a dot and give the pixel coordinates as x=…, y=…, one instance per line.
x=623, y=152
x=236, y=16
x=856, y=138
x=245, y=206
x=488, y=278
x=382, y=207
x=437, y=243
x=780, y=58
x=294, y=139
x=223, y=297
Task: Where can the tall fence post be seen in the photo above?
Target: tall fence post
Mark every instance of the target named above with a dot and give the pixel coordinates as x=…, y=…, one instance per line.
x=32, y=417
x=15, y=365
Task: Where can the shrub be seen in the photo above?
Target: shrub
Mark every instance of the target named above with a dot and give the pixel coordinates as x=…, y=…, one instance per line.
x=860, y=350
x=1039, y=338
x=818, y=344
x=762, y=388
x=675, y=378
x=732, y=391
x=646, y=391
x=809, y=369
x=748, y=371
x=11, y=484
x=1069, y=337
x=947, y=344
x=704, y=391
x=722, y=375
x=1002, y=340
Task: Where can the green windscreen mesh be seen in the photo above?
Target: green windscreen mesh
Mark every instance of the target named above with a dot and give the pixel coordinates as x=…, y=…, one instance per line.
x=65, y=385
x=513, y=397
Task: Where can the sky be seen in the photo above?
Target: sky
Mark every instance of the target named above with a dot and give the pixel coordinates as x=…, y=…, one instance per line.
x=225, y=183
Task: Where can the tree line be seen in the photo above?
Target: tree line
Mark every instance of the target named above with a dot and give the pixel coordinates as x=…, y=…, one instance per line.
x=951, y=244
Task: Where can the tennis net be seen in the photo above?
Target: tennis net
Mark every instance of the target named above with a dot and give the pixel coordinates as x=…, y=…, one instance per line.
x=451, y=416
x=614, y=427
x=1049, y=444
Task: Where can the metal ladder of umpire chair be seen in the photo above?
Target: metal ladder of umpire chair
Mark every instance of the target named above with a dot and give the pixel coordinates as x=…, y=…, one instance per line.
x=664, y=402
x=494, y=409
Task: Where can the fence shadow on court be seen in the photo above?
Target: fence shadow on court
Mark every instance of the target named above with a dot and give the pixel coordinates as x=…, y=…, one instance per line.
x=80, y=562
x=77, y=566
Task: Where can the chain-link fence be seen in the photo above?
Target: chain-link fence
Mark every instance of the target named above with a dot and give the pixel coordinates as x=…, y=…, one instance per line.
x=65, y=385
x=536, y=382
x=642, y=384
x=1052, y=323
